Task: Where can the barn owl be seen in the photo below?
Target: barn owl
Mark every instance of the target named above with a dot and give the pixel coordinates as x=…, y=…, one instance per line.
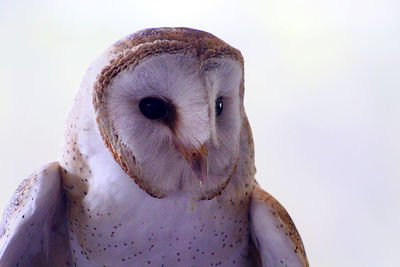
x=156, y=168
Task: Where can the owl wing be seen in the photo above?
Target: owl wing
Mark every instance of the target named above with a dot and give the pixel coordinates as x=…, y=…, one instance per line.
x=273, y=232
x=33, y=230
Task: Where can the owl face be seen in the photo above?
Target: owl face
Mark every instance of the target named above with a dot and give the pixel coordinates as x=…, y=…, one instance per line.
x=172, y=118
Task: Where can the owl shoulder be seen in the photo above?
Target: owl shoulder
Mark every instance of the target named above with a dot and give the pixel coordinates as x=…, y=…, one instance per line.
x=274, y=232
x=34, y=220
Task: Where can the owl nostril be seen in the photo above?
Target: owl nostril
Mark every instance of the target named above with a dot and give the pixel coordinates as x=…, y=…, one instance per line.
x=154, y=108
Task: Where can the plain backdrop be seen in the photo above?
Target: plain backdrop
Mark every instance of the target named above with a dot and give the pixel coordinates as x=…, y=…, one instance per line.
x=322, y=83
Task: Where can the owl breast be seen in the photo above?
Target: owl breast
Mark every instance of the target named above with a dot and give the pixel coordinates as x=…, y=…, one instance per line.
x=145, y=231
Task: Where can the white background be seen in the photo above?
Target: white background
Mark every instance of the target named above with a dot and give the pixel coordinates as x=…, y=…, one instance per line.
x=322, y=96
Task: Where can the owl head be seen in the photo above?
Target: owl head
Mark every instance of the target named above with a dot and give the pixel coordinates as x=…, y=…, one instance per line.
x=168, y=105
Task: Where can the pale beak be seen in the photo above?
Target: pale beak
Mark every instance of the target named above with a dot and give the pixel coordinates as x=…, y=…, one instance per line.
x=197, y=159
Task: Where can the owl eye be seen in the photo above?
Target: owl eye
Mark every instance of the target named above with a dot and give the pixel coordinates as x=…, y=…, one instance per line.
x=153, y=108
x=219, y=106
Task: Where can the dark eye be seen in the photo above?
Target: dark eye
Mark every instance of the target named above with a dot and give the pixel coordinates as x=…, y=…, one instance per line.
x=219, y=106
x=153, y=108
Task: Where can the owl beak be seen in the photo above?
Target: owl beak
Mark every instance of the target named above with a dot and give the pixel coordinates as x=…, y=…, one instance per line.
x=197, y=160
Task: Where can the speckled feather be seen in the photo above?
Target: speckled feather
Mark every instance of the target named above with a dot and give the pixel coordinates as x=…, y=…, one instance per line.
x=96, y=209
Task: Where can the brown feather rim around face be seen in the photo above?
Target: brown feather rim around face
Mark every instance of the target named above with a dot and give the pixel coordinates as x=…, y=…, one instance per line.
x=129, y=53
